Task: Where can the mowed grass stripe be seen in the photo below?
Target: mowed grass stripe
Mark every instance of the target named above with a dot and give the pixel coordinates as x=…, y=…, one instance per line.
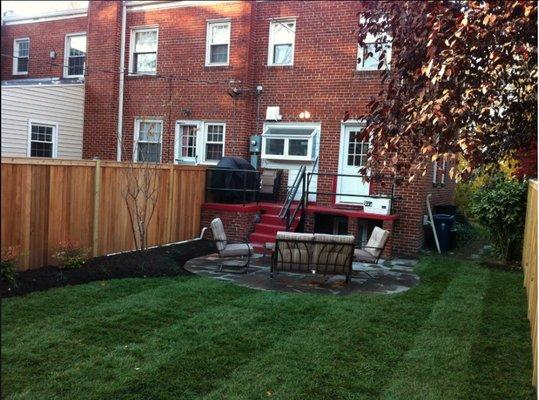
x=503, y=341
x=93, y=334
x=209, y=346
x=437, y=365
x=44, y=307
x=351, y=349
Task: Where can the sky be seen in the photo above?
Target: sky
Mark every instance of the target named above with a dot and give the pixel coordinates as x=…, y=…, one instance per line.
x=38, y=7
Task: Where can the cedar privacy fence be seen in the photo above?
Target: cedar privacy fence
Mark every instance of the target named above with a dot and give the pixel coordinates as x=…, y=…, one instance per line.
x=47, y=201
x=529, y=265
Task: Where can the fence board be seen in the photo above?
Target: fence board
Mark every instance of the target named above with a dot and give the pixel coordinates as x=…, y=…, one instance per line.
x=44, y=202
x=529, y=265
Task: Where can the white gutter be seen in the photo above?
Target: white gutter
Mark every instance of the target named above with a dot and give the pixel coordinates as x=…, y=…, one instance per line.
x=42, y=17
x=121, y=87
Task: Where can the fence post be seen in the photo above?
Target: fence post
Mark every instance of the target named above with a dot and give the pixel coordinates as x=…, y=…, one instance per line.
x=171, y=186
x=97, y=189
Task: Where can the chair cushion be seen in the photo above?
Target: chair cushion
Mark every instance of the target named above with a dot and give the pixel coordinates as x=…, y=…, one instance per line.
x=377, y=241
x=219, y=234
x=333, y=253
x=294, y=236
x=363, y=255
x=236, y=250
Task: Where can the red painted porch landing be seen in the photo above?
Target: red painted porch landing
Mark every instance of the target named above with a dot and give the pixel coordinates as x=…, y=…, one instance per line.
x=270, y=223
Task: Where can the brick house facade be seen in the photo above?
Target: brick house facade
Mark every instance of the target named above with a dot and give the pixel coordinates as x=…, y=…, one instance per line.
x=323, y=80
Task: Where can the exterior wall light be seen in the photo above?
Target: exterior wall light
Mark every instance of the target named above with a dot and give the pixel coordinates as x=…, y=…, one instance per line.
x=305, y=115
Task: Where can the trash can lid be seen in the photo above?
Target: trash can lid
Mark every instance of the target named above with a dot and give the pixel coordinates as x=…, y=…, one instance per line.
x=443, y=216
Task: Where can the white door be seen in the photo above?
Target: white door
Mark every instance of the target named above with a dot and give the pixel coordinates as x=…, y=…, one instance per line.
x=187, y=143
x=353, y=155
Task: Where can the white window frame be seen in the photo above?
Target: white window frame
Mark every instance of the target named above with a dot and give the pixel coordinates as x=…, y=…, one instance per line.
x=205, y=141
x=287, y=138
x=202, y=126
x=209, y=25
x=138, y=120
x=371, y=39
x=54, y=136
x=16, y=56
x=178, y=141
x=67, y=48
x=271, y=41
x=132, y=36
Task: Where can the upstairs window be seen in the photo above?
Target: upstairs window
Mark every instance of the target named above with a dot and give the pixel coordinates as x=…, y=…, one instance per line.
x=148, y=138
x=21, y=51
x=288, y=142
x=218, y=43
x=282, y=37
x=370, y=54
x=42, y=139
x=75, y=55
x=144, y=51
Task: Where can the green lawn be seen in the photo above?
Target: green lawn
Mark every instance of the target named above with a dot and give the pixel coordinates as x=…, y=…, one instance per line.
x=461, y=334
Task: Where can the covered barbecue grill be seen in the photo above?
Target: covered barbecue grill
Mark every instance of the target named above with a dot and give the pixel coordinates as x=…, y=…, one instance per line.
x=234, y=180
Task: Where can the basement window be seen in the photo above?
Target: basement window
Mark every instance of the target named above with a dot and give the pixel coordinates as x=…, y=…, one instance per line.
x=217, y=43
x=282, y=37
x=21, y=51
x=288, y=142
x=148, y=138
x=42, y=139
x=143, y=59
x=75, y=55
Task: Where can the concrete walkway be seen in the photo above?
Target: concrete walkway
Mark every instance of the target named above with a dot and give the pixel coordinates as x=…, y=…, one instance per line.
x=387, y=277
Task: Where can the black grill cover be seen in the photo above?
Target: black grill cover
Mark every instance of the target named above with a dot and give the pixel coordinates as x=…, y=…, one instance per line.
x=222, y=179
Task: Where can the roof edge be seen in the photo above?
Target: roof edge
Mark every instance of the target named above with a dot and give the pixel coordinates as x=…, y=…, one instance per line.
x=41, y=17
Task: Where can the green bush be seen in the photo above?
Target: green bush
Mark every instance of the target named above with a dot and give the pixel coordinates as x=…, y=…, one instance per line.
x=69, y=254
x=8, y=271
x=500, y=206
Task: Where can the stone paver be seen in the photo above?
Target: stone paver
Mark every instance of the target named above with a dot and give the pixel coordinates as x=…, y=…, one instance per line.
x=389, y=276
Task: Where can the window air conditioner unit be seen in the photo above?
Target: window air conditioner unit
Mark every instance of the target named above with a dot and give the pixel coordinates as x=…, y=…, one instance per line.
x=272, y=114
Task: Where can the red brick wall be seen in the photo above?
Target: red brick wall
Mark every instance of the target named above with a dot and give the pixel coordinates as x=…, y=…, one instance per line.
x=323, y=81
x=237, y=225
x=101, y=96
x=44, y=37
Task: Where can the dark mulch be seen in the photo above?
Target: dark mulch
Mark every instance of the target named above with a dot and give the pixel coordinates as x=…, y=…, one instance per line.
x=160, y=261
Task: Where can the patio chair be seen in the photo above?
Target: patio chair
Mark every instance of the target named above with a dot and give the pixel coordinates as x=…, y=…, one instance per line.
x=372, y=251
x=226, y=249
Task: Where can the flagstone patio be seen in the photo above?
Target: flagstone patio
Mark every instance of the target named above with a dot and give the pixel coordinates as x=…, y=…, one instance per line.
x=391, y=276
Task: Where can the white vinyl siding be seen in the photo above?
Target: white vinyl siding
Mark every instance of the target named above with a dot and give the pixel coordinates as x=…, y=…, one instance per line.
x=61, y=104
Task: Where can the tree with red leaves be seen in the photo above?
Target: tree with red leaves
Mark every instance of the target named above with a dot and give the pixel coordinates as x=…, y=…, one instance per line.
x=462, y=83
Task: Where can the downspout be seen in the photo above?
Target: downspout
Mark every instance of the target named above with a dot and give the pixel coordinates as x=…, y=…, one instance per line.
x=121, y=86
x=432, y=224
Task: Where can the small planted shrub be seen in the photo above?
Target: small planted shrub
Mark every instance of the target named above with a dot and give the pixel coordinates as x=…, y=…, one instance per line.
x=70, y=254
x=9, y=259
x=500, y=206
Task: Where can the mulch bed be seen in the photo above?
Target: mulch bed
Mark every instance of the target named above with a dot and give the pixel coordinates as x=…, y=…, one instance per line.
x=156, y=262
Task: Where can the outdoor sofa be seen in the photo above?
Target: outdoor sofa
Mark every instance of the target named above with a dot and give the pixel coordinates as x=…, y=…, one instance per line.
x=310, y=253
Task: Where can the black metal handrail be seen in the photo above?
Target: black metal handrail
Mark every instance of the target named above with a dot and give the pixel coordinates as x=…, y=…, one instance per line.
x=301, y=179
x=292, y=192
x=244, y=190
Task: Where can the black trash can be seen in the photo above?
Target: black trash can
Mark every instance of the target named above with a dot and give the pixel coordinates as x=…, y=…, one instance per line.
x=444, y=226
